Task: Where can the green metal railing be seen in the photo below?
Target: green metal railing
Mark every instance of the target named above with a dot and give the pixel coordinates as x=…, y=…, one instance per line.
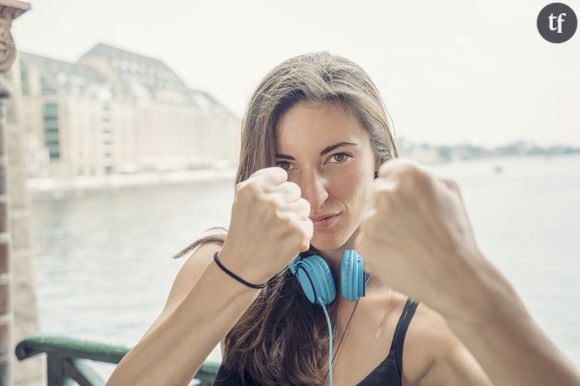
x=66, y=360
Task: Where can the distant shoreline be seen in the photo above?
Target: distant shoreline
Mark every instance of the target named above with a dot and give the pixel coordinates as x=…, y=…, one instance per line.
x=51, y=189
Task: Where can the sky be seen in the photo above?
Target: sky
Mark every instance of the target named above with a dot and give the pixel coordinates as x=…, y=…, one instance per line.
x=450, y=72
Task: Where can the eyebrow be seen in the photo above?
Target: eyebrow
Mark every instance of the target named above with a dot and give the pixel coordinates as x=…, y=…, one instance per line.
x=324, y=151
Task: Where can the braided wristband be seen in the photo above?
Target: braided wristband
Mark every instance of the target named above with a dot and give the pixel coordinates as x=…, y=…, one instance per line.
x=234, y=276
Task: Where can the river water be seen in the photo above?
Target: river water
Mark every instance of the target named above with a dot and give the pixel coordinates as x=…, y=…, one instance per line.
x=104, y=267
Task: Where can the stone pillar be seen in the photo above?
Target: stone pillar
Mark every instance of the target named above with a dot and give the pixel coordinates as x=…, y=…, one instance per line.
x=9, y=10
x=6, y=319
x=23, y=253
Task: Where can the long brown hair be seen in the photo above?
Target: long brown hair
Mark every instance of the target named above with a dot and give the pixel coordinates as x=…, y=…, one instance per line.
x=282, y=338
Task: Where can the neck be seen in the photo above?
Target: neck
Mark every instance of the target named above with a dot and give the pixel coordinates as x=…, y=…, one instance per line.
x=333, y=257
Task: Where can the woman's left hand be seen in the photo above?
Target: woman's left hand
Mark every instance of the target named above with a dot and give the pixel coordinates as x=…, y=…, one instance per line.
x=417, y=238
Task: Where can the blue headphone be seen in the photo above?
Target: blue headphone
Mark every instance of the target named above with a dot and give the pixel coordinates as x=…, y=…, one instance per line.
x=317, y=282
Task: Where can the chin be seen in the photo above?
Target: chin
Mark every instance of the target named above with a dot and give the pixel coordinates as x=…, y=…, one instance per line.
x=328, y=242
x=333, y=241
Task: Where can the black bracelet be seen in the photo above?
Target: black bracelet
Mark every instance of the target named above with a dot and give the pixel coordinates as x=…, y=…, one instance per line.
x=234, y=276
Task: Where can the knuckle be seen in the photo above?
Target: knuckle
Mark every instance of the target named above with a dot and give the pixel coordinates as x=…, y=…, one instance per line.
x=306, y=205
x=452, y=184
x=396, y=166
x=275, y=173
x=385, y=168
x=283, y=173
x=409, y=170
x=292, y=191
x=412, y=176
x=293, y=185
x=282, y=218
x=305, y=241
x=297, y=190
x=272, y=204
x=240, y=186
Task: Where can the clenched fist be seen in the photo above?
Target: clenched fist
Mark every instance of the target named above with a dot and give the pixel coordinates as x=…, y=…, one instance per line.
x=417, y=238
x=269, y=226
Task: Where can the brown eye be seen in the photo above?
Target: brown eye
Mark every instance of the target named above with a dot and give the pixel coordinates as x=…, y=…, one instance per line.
x=284, y=165
x=339, y=157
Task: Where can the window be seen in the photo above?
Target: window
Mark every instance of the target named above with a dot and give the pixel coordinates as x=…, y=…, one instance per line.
x=24, y=81
x=47, y=88
x=51, y=136
x=51, y=132
x=54, y=154
x=50, y=109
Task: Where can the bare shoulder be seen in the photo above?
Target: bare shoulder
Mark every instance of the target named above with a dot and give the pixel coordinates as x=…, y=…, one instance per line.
x=434, y=355
x=191, y=270
x=421, y=344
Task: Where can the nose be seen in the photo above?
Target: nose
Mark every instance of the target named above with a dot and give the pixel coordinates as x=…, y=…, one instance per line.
x=314, y=189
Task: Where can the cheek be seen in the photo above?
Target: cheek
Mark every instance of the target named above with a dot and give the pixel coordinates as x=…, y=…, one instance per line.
x=352, y=189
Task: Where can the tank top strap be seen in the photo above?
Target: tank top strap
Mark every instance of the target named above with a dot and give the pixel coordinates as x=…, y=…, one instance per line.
x=401, y=331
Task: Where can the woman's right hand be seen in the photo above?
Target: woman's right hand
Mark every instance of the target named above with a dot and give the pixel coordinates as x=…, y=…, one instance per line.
x=269, y=226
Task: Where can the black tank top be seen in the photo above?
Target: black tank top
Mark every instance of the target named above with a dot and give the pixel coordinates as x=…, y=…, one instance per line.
x=388, y=373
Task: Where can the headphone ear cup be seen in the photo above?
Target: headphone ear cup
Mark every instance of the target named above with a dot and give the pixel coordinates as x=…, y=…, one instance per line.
x=352, y=275
x=316, y=279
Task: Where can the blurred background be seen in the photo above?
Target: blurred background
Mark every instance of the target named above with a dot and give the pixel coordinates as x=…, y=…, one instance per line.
x=128, y=117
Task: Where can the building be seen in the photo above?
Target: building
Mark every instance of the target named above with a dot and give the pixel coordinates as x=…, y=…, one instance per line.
x=114, y=111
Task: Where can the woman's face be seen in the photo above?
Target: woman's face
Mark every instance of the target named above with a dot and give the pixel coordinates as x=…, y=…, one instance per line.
x=328, y=154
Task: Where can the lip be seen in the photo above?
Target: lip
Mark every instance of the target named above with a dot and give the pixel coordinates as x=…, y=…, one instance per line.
x=324, y=221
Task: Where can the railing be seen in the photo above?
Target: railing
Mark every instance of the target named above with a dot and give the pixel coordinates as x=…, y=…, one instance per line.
x=65, y=359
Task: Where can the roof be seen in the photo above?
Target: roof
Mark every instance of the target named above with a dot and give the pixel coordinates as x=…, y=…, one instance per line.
x=124, y=74
x=129, y=67
x=73, y=77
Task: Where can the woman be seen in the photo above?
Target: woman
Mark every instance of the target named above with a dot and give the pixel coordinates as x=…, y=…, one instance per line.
x=313, y=140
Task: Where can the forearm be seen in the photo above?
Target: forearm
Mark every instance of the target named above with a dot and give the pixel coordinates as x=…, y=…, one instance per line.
x=510, y=346
x=172, y=352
